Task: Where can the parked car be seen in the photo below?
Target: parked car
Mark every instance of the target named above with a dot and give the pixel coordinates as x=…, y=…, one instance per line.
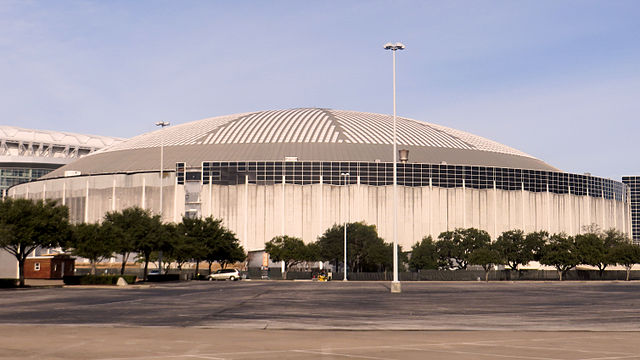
x=225, y=274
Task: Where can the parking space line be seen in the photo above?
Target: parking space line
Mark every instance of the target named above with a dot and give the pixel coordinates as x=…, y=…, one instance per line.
x=338, y=354
x=613, y=358
x=558, y=349
x=475, y=353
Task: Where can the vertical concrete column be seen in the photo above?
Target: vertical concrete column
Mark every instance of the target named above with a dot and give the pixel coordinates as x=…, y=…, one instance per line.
x=64, y=193
x=570, y=199
x=86, y=202
x=357, y=201
x=588, y=207
x=464, y=204
x=175, y=200
x=282, y=264
x=283, y=212
x=431, y=207
x=210, y=195
x=44, y=190
x=615, y=212
x=524, y=225
x=447, y=199
x=548, y=209
x=604, y=218
x=495, y=210
x=143, y=197
x=321, y=203
x=113, y=195
x=245, y=237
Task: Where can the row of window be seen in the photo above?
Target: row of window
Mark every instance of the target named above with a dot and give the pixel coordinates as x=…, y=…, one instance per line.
x=12, y=176
x=378, y=174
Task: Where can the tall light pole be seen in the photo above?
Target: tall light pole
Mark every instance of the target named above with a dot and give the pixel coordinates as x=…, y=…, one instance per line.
x=346, y=175
x=162, y=124
x=395, y=284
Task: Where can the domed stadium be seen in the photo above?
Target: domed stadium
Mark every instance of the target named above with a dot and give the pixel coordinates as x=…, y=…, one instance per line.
x=299, y=171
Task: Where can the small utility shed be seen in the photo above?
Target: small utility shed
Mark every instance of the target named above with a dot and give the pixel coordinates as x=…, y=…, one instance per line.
x=53, y=266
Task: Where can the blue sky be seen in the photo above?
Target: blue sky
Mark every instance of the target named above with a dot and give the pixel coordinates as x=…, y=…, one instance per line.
x=557, y=79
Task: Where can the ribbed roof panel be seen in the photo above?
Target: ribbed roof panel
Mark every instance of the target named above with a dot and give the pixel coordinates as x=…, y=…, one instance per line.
x=310, y=125
x=311, y=134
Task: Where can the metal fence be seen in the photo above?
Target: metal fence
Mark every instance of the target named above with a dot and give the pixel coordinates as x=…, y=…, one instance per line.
x=424, y=275
x=453, y=275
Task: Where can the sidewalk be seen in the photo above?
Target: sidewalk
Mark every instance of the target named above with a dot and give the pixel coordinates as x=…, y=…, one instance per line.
x=43, y=282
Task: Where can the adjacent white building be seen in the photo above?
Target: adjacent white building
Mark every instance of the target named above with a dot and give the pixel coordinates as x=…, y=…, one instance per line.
x=28, y=154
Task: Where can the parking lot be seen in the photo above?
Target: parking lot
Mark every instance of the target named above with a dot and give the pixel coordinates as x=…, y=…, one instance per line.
x=280, y=319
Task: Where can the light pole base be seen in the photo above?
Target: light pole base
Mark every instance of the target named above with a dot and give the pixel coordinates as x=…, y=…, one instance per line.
x=396, y=287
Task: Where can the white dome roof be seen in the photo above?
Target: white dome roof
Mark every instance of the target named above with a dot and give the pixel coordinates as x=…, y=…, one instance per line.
x=310, y=134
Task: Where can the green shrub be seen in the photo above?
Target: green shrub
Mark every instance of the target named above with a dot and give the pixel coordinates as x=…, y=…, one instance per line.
x=8, y=283
x=97, y=279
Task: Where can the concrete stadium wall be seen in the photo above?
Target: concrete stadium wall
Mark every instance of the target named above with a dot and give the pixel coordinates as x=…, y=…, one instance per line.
x=257, y=213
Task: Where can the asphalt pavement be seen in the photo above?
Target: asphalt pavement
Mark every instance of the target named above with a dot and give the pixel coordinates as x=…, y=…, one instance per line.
x=286, y=305
x=316, y=320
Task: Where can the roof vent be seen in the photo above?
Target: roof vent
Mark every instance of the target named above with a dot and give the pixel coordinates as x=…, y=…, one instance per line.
x=290, y=158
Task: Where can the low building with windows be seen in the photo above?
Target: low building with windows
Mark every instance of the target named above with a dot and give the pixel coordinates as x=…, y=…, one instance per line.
x=49, y=266
x=299, y=171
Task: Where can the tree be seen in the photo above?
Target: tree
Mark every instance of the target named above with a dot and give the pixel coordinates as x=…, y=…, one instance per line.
x=592, y=251
x=206, y=239
x=170, y=240
x=221, y=244
x=26, y=225
x=331, y=244
x=517, y=249
x=182, y=247
x=486, y=257
x=313, y=250
x=613, y=237
x=290, y=250
x=446, y=250
x=231, y=251
x=193, y=230
x=595, y=247
x=90, y=242
x=424, y=255
x=561, y=253
x=366, y=251
x=534, y=242
x=153, y=239
x=626, y=254
x=454, y=247
x=134, y=230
